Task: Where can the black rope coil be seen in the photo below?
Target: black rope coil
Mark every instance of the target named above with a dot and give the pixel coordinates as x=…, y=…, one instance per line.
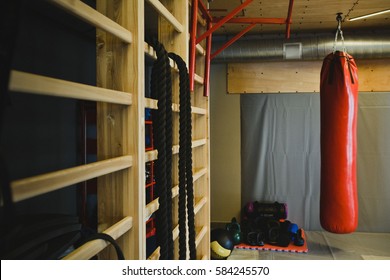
x=161, y=89
x=185, y=164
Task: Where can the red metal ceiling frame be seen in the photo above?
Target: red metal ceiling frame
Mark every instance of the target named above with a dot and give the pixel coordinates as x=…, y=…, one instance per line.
x=288, y=19
x=194, y=22
x=231, y=41
x=255, y=20
x=223, y=20
x=218, y=23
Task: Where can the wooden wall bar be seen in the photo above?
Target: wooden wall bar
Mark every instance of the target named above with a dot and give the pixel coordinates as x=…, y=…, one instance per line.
x=300, y=76
x=121, y=103
x=120, y=130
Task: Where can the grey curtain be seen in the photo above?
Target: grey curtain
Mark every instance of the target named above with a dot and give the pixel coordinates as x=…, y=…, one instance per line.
x=280, y=156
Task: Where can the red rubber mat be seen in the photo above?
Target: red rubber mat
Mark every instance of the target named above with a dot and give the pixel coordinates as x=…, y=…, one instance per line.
x=267, y=247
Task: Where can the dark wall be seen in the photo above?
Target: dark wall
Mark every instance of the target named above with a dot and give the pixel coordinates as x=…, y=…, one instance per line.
x=40, y=133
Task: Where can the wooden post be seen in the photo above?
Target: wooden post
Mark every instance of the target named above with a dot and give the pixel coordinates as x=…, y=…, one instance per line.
x=120, y=66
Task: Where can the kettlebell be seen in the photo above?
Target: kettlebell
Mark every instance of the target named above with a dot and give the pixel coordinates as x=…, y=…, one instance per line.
x=235, y=230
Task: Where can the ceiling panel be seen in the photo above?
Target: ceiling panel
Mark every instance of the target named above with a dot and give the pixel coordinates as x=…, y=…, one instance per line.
x=307, y=15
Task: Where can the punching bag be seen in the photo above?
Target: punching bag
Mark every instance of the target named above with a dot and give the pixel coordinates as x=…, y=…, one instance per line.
x=338, y=103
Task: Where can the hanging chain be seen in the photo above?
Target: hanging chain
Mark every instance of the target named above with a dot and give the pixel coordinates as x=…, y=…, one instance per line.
x=339, y=19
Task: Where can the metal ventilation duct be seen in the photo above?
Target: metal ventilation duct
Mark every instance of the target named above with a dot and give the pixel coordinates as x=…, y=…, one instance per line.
x=314, y=47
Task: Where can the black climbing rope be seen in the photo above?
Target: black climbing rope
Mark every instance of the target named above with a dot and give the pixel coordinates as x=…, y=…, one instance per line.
x=185, y=165
x=161, y=88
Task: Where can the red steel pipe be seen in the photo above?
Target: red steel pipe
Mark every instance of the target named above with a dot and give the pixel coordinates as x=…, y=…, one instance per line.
x=206, y=81
x=255, y=20
x=223, y=21
x=194, y=22
x=205, y=12
x=231, y=41
x=288, y=19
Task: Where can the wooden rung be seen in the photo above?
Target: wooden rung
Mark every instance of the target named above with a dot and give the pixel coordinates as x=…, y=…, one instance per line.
x=175, y=149
x=175, y=191
x=198, y=143
x=199, y=79
x=91, y=248
x=199, y=173
x=175, y=233
x=155, y=255
x=37, y=84
x=199, y=111
x=149, y=50
x=201, y=20
x=204, y=258
x=160, y=8
x=200, y=49
x=93, y=17
x=199, y=204
x=152, y=206
x=40, y=184
x=152, y=104
x=200, y=235
x=151, y=155
x=195, y=144
x=175, y=107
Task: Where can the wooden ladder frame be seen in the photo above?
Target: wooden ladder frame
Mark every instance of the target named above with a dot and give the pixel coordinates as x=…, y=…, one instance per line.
x=121, y=104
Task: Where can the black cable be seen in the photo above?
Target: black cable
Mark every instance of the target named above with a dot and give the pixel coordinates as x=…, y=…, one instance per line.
x=108, y=238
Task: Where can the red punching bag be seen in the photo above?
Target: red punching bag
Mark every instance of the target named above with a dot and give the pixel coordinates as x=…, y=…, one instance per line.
x=339, y=98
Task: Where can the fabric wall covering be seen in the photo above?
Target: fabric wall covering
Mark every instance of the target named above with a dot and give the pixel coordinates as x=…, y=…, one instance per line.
x=280, y=156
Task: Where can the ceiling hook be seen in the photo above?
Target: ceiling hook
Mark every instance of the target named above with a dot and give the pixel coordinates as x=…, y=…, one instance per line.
x=339, y=19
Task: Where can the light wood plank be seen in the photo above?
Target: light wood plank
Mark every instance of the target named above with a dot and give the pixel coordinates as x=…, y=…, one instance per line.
x=195, y=144
x=200, y=50
x=199, y=111
x=152, y=206
x=93, y=17
x=199, y=173
x=160, y=8
x=374, y=75
x=300, y=76
x=198, y=143
x=152, y=104
x=175, y=233
x=199, y=204
x=121, y=67
x=199, y=79
x=149, y=51
x=37, y=84
x=151, y=155
x=155, y=255
x=175, y=191
x=29, y=187
x=201, y=234
x=91, y=248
